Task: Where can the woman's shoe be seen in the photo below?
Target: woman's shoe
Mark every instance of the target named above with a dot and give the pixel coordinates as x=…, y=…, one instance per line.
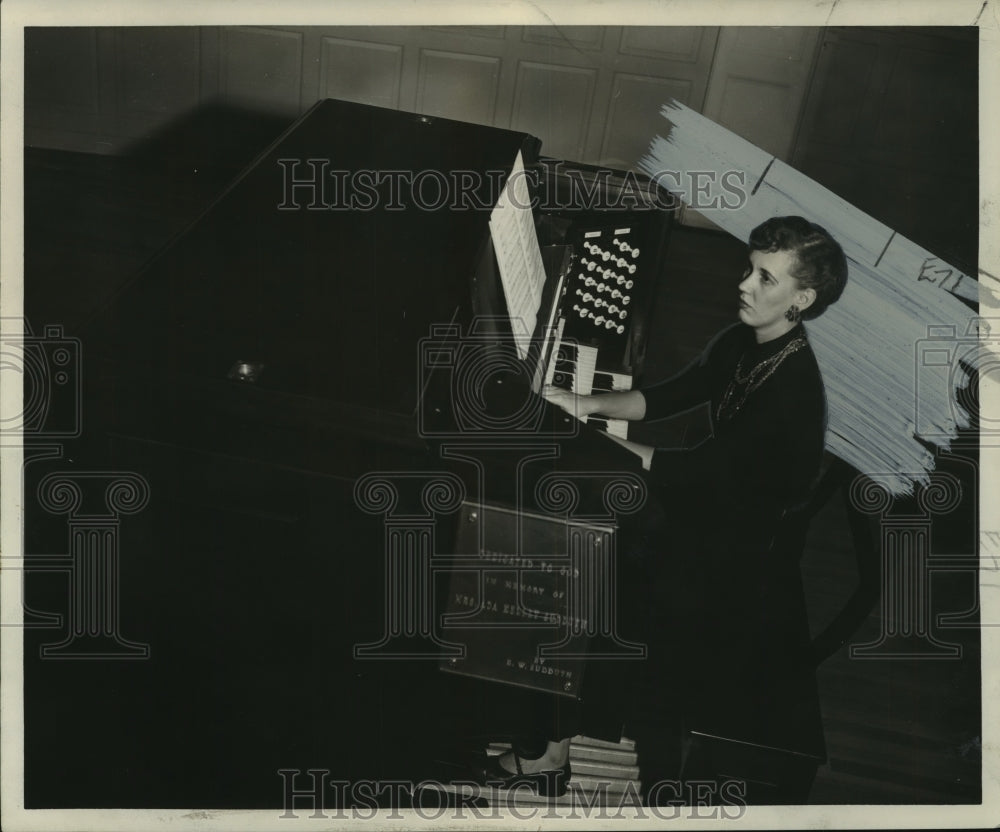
x=550, y=782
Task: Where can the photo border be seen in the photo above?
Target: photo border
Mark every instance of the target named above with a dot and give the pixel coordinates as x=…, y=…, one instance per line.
x=16, y=14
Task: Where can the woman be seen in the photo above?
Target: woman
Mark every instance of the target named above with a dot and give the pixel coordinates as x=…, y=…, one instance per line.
x=723, y=499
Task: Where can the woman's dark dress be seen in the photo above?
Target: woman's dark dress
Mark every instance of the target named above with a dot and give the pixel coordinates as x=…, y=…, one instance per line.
x=705, y=571
x=722, y=500
x=694, y=572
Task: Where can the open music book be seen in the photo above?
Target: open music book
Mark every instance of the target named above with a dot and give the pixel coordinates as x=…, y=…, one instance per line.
x=512, y=227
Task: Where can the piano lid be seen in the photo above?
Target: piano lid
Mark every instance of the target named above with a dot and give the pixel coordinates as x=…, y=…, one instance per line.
x=324, y=265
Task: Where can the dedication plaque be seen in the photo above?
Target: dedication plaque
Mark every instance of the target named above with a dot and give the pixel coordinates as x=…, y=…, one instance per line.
x=525, y=592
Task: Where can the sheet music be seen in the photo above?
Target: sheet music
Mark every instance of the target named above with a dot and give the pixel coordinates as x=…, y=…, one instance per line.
x=512, y=228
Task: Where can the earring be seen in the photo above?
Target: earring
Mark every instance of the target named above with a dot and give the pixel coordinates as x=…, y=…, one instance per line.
x=792, y=314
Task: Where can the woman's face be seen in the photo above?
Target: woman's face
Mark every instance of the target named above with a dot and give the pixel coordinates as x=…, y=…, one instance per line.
x=767, y=291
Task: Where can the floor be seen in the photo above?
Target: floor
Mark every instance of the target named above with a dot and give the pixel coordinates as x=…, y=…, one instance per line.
x=897, y=729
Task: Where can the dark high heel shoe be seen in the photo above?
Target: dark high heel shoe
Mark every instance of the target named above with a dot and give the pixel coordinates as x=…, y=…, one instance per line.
x=550, y=782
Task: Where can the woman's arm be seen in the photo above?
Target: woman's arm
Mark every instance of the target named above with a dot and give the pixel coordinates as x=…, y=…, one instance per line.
x=625, y=405
x=630, y=405
x=688, y=388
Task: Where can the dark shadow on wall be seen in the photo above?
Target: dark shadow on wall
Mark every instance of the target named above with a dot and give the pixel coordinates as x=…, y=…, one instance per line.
x=92, y=220
x=891, y=124
x=216, y=138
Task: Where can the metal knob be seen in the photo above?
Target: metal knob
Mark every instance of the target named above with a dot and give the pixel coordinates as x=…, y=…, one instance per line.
x=248, y=371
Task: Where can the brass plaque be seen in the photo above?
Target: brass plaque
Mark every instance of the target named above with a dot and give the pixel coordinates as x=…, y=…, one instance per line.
x=519, y=599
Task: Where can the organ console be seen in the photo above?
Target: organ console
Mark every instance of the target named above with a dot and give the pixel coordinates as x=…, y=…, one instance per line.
x=320, y=383
x=592, y=351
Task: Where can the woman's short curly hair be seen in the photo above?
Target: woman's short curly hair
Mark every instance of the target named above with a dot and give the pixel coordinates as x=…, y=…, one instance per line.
x=821, y=265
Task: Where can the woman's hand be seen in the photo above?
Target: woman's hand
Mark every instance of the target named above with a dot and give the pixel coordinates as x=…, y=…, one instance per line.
x=573, y=404
x=644, y=452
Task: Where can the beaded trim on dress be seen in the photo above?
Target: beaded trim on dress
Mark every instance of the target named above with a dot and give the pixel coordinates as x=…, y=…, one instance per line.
x=732, y=400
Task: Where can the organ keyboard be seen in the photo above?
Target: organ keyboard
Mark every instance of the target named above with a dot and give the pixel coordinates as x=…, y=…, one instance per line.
x=574, y=368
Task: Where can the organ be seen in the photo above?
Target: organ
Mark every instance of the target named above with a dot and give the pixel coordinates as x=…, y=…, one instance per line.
x=321, y=382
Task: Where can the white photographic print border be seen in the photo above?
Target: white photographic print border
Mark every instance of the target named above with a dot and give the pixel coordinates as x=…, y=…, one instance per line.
x=16, y=15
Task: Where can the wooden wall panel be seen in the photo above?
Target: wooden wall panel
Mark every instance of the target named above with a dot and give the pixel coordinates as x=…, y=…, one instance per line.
x=651, y=65
x=554, y=102
x=457, y=85
x=853, y=64
x=590, y=93
x=674, y=43
x=157, y=69
x=762, y=61
x=775, y=43
x=491, y=32
x=921, y=81
x=590, y=38
x=758, y=84
x=554, y=82
x=262, y=68
x=749, y=105
x=633, y=118
x=361, y=71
